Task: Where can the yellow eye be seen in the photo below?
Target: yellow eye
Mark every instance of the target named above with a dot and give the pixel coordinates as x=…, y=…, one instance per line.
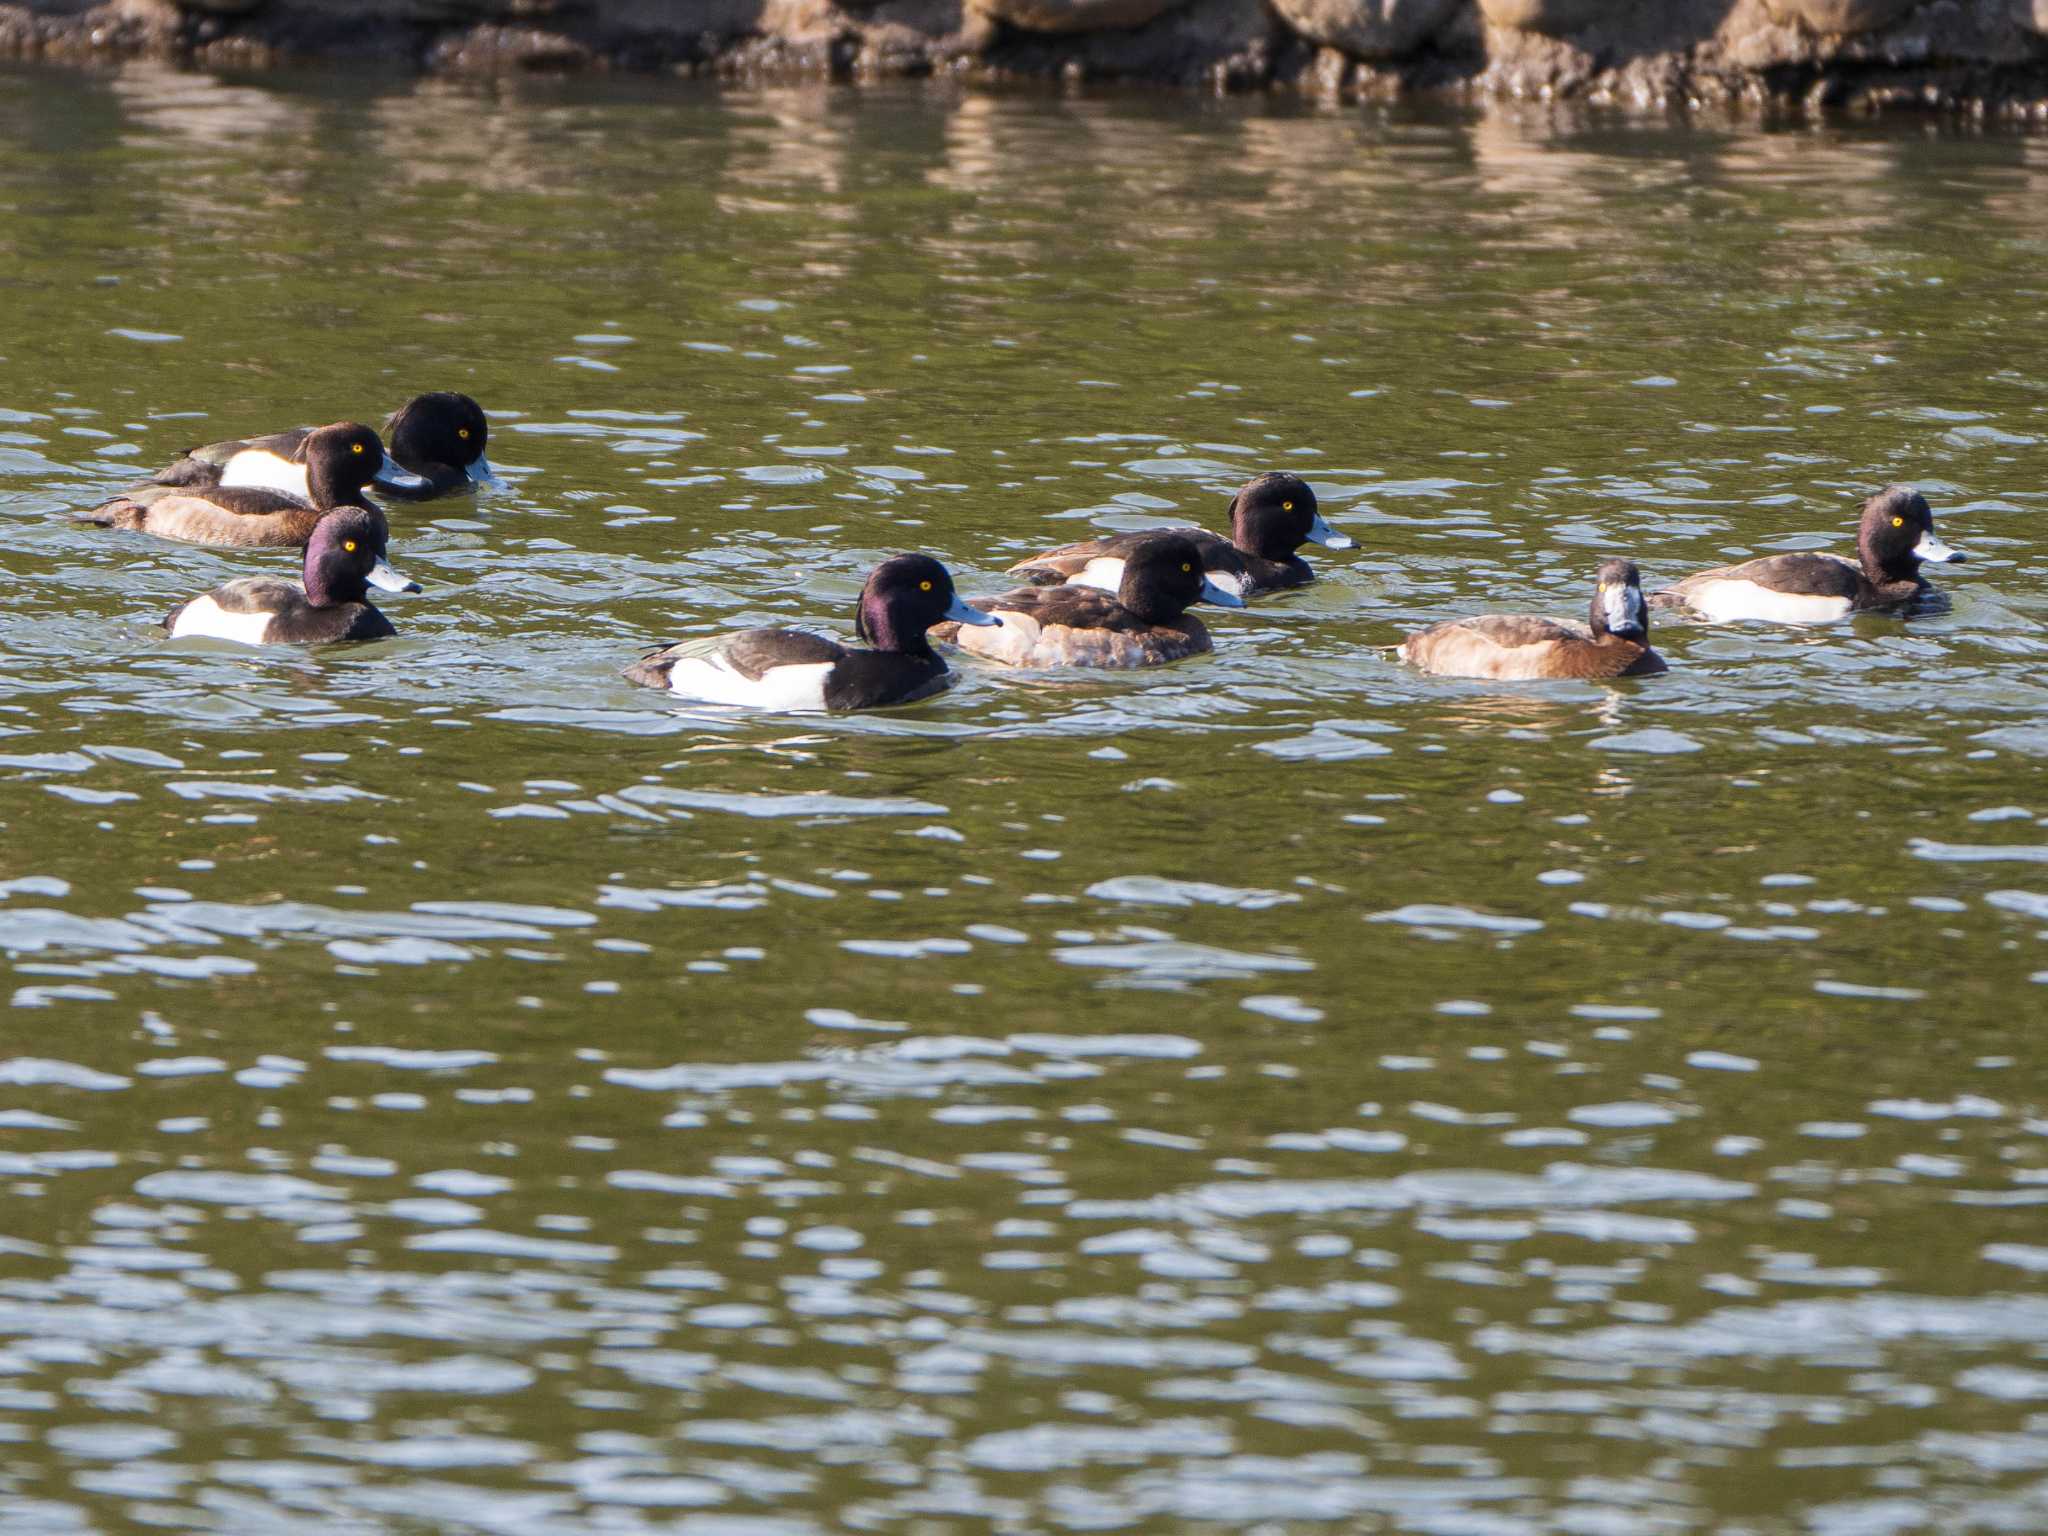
x=1286, y=506
x=349, y=545
x=1187, y=567
x=355, y=447
x=1898, y=522
x=463, y=433
x=924, y=586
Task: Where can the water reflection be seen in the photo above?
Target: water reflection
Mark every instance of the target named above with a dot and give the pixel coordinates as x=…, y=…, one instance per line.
x=451, y=1090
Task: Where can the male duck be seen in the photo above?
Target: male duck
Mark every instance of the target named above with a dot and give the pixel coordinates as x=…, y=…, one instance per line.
x=437, y=449
x=1271, y=517
x=1616, y=643
x=344, y=559
x=338, y=460
x=1146, y=624
x=1893, y=540
x=792, y=670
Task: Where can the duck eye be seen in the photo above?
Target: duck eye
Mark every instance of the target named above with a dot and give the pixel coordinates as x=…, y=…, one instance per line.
x=1898, y=522
x=349, y=546
x=355, y=447
x=1286, y=506
x=924, y=586
x=463, y=433
x=1185, y=566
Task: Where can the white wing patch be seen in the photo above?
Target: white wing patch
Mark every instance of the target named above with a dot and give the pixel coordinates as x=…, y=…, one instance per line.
x=798, y=689
x=204, y=616
x=264, y=470
x=1105, y=573
x=1725, y=600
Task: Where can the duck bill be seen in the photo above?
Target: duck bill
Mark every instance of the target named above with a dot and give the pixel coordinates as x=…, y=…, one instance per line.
x=1933, y=551
x=1214, y=592
x=395, y=476
x=960, y=613
x=480, y=472
x=1320, y=532
x=385, y=579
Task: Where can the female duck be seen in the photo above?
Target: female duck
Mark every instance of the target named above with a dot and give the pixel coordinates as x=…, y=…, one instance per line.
x=1271, y=517
x=1616, y=643
x=789, y=669
x=344, y=559
x=338, y=460
x=1895, y=536
x=1146, y=624
x=437, y=449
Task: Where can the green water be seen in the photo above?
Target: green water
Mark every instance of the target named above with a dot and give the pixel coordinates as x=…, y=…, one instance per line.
x=448, y=1089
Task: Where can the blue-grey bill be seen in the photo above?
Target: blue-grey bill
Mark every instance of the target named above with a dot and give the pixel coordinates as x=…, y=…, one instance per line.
x=481, y=473
x=1320, y=532
x=961, y=613
x=1932, y=549
x=1212, y=593
x=385, y=579
x=395, y=475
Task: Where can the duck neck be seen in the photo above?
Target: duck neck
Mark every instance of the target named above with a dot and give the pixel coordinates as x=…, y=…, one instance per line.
x=327, y=586
x=1901, y=571
x=1257, y=536
x=330, y=490
x=880, y=626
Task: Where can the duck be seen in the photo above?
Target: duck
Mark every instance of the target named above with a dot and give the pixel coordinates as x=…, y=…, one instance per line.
x=345, y=557
x=1614, y=643
x=1894, y=538
x=795, y=671
x=1146, y=624
x=340, y=460
x=1271, y=516
x=437, y=449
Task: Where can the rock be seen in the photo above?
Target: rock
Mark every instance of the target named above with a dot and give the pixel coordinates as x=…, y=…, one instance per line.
x=1369, y=29
x=1840, y=16
x=1075, y=15
x=1553, y=18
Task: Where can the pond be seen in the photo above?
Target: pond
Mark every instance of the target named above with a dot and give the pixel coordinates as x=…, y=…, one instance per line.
x=447, y=1088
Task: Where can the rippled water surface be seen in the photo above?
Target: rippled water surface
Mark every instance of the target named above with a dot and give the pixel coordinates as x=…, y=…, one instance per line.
x=448, y=1089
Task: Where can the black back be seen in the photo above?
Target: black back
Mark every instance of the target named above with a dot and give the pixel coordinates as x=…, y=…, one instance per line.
x=1069, y=608
x=876, y=679
x=753, y=652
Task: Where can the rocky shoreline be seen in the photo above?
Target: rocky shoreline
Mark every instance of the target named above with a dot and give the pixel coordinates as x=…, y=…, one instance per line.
x=1986, y=57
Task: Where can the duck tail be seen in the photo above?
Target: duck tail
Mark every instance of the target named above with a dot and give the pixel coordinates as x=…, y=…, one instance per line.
x=1033, y=574
x=652, y=669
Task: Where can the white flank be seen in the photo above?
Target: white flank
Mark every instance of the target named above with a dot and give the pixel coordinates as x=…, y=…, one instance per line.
x=1014, y=640
x=264, y=470
x=204, y=616
x=1105, y=573
x=796, y=689
x=1725, y=600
